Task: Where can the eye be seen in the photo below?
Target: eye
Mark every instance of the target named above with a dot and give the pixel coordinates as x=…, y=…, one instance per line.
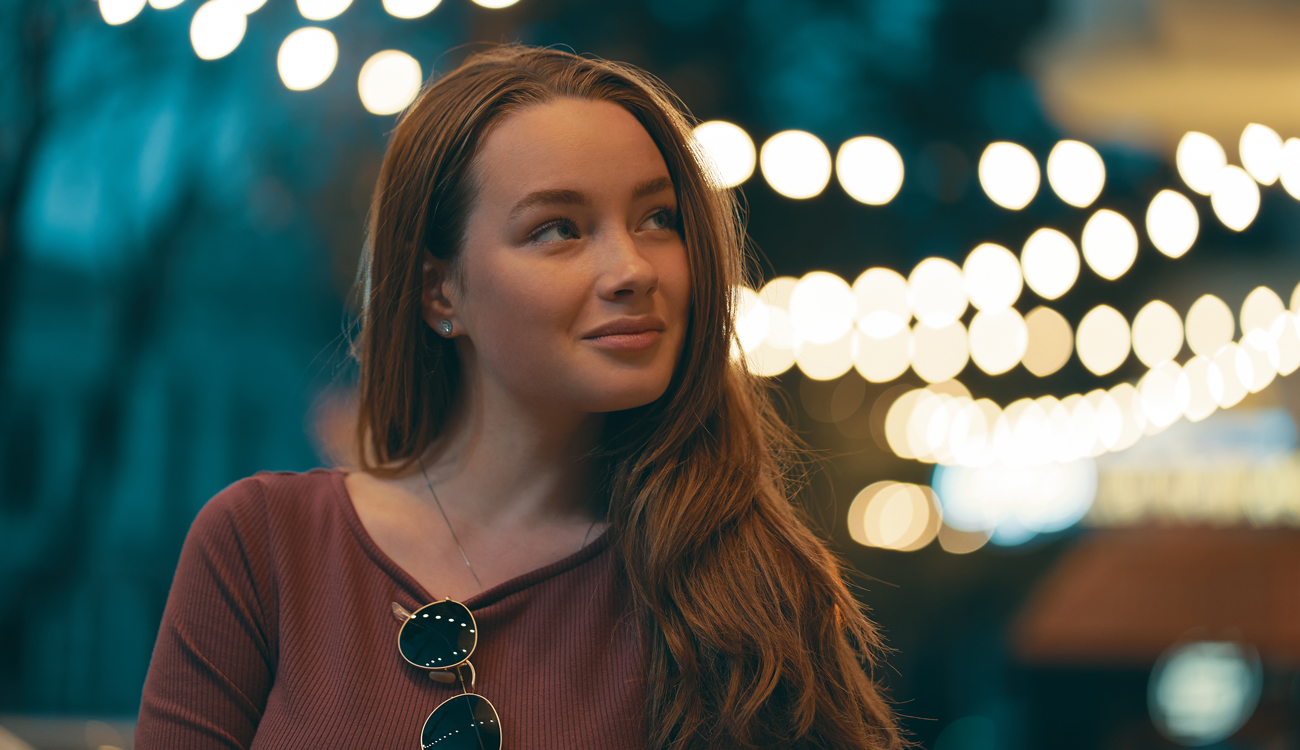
x=557, y=231
x=664, y=218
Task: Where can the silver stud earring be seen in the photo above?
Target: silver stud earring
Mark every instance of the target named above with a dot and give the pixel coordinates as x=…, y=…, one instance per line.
x=444, y=327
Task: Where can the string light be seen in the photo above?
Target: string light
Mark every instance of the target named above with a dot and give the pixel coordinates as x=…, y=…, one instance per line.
x=388, y=82
x=1009, y=174
x=1076, y=172
x=1209, y=325
x=796, y=164
x=1110, y=244
x=216, y=29
x=322, y=10
x=1157, y=334
x=1050, y=262
x=1235, y=198
x=1050, y=341
x=727, y=150
x=118, y=12
x=870, y=170
x=408, y=9
x=991, y=278
x=936, y=292
x=306, y=58
x=1172, y=223
x=1103, y=340
x=1200, y=159
x=1261, y=153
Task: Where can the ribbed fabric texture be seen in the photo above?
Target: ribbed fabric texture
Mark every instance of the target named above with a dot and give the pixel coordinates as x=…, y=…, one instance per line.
x=278, y=633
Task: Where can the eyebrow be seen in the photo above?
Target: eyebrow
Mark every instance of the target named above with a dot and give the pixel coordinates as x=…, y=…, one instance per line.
x=579, y=198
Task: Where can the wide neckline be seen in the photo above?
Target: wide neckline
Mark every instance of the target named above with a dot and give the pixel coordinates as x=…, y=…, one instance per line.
x=477, y=601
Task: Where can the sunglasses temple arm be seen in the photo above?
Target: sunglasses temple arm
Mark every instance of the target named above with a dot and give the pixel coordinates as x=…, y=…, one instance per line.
x=401, y=613
x=473, y=677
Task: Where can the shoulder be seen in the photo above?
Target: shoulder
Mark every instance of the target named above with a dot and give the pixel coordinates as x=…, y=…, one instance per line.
x=254, y=507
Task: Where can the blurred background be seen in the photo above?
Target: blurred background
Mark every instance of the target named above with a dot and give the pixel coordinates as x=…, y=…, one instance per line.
x=1027, y=282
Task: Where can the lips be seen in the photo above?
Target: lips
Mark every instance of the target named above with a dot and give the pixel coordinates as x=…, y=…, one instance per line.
x=628, y=326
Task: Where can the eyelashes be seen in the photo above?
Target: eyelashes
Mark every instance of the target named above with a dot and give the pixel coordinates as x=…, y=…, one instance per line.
x=671, y=222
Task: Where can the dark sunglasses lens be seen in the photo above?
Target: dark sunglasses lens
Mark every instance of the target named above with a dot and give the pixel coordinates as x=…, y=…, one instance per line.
x=438, y=635
x=466, y=722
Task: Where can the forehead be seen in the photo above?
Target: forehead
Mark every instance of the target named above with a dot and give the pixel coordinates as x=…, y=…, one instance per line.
x=593, y=146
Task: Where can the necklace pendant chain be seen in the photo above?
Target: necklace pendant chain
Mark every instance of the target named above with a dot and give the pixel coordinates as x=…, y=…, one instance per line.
x=455, y=539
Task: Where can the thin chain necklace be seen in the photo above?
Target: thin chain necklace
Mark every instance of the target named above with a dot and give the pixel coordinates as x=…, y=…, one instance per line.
x=457, y=541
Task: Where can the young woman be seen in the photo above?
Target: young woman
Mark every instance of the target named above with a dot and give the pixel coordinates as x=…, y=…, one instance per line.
x=571, y=506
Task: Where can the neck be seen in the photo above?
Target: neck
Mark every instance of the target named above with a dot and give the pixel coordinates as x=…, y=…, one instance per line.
x=502, y=463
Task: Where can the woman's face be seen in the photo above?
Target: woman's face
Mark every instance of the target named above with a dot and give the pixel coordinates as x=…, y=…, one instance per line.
x=573, y=231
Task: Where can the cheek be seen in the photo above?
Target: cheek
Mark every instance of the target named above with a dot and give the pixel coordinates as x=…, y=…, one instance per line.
x=520, y=321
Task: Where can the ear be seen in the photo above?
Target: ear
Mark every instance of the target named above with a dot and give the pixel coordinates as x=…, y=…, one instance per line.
x=437, y=298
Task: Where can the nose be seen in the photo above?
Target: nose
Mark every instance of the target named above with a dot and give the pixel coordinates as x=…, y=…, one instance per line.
x=625, y=269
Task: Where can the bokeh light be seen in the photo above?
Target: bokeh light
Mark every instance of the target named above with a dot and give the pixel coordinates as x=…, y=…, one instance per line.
x=1194, y=389
x=1290, y=167
x=775, y=354
x=1076, y=172
x=1110, y=244
x=216, y=29
x=752, y=319
x=1009, y=174
x=958, y=542
x=1051, y=341
x=1261, y=153
x=822, y=308
x=894, y=515
x=992, y=277
x=306, y=58
x=1235, y=198
x=1050, y=262
x=1285, y=335
x=1016, y=502
x=1263, y=354
x=322, y=10
x=936, y=292
x=410, y=8
x=1102, y=340
x=117, y=12
x=825, y=360
x=796, y=164
x=1209, y=325
x=388, y=82
x=883, y=309
x=1201, y=693
x=939, y=353
x=1132, y=422
x=728, y=150
x=998, y=340
x=1172, y=223
x=1230, y=372
x=869, y=169
x=1200, y=158
x=167, y=4
x=495, y=4
x=1157, y=334
x=882, y=359
x=1158, y=393
x=1261, y=308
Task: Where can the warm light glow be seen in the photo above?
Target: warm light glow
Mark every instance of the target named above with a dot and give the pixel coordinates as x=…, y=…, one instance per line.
x=1158, y=394
x=992, y=277
x=167, y=4
x=1230, y=371
x=870, y=170
x=998, y=340
x=822, y=308
x=1050, y=262
x=495, y=4
x=1110, y=244
x=1076, y=172
x=775, y=354
x=1290, y=167
x=1050, y=341
x=216, y=29
x=1200, y=159
x=727, y=152
x=1194, y=389
x=322, y=10
x=410, y=8
x=1157, y=334
x=118, y=12
x=388, y=82
x=1009, y=174
x=1285, y=334
x=939, y=354
x=883, y=309
x=825, y=361
x=752, y=319
x=307, y=57
x=1264, y=359
x=1261, y=153
x=1235, y=198
x=895, y=516
x=1016, y=502
x=899, y=418
x=958, y=542
x=936, y=292
x=1172, y=223
x=1102, y=340
x=796, y=164
x=1201, y=693
x=1209, y=325
x=1261, y=308
x=880, y=360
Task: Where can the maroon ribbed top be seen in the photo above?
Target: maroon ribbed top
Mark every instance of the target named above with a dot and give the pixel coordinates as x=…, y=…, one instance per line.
x=278, y=633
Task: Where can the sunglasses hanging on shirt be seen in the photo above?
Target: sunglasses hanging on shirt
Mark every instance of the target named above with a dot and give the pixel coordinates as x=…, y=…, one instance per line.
x=441, y=637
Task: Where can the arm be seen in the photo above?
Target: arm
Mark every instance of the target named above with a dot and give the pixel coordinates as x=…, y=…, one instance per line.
x=214, y=661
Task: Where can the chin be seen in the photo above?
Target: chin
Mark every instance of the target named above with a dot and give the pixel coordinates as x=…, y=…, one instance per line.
x=604, y=398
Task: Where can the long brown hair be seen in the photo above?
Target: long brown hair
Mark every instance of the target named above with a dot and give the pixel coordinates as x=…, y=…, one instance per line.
x=749, y=634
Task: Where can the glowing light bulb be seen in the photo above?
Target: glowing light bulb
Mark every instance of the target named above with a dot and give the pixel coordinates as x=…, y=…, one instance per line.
x=936, y=292
x=998, y=340
x=796, y=164
x=939, y=354
x=1050, y=262
x=1290, y=167
x=1076, y=172
x=306, y=58
x=1194, y=389
x=388, y=82
x=728, y=152
x=1009, y=174
x=216, y=29
x=1209, y=325
x=870, y=170
x=1110, y=244
x=992, y=277
x=1157, y=334
x=1235, y=198
x=1200, y=158
x=1051, y=341
x=1261, y=308
x=322, y=10
x=410, y=8
x=1261, y=153
x=1103, y=340
x=1172, y=223
x=883, y=309
x=118, y=12
x=822, y=308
